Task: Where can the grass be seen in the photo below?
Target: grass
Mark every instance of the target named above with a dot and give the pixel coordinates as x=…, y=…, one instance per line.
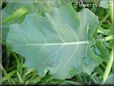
x=14, y=71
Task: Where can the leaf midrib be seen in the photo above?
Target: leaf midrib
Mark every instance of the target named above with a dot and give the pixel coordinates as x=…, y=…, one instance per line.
x=69, y=43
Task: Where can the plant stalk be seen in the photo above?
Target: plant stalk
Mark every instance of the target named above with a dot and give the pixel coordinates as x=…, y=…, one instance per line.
x=20, y=12
x=108, y=67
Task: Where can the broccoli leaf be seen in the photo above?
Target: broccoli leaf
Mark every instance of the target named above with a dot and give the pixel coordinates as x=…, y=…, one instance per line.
x=58, y=43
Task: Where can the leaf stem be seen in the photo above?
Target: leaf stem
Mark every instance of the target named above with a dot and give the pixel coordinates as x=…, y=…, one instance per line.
x=107, y=38
x=19, y=77
x=72, y=82
x=101, y=24
x=111, y=9
x=108, y=67
x=104, y=32
x=20, y=12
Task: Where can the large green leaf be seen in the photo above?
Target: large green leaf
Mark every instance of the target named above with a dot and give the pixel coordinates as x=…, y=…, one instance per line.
x=58, y=43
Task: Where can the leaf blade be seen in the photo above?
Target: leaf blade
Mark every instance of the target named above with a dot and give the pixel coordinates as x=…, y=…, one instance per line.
x=60, y=42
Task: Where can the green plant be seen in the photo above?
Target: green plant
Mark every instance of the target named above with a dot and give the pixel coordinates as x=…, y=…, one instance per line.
x=30, y=36
x=52, y=45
